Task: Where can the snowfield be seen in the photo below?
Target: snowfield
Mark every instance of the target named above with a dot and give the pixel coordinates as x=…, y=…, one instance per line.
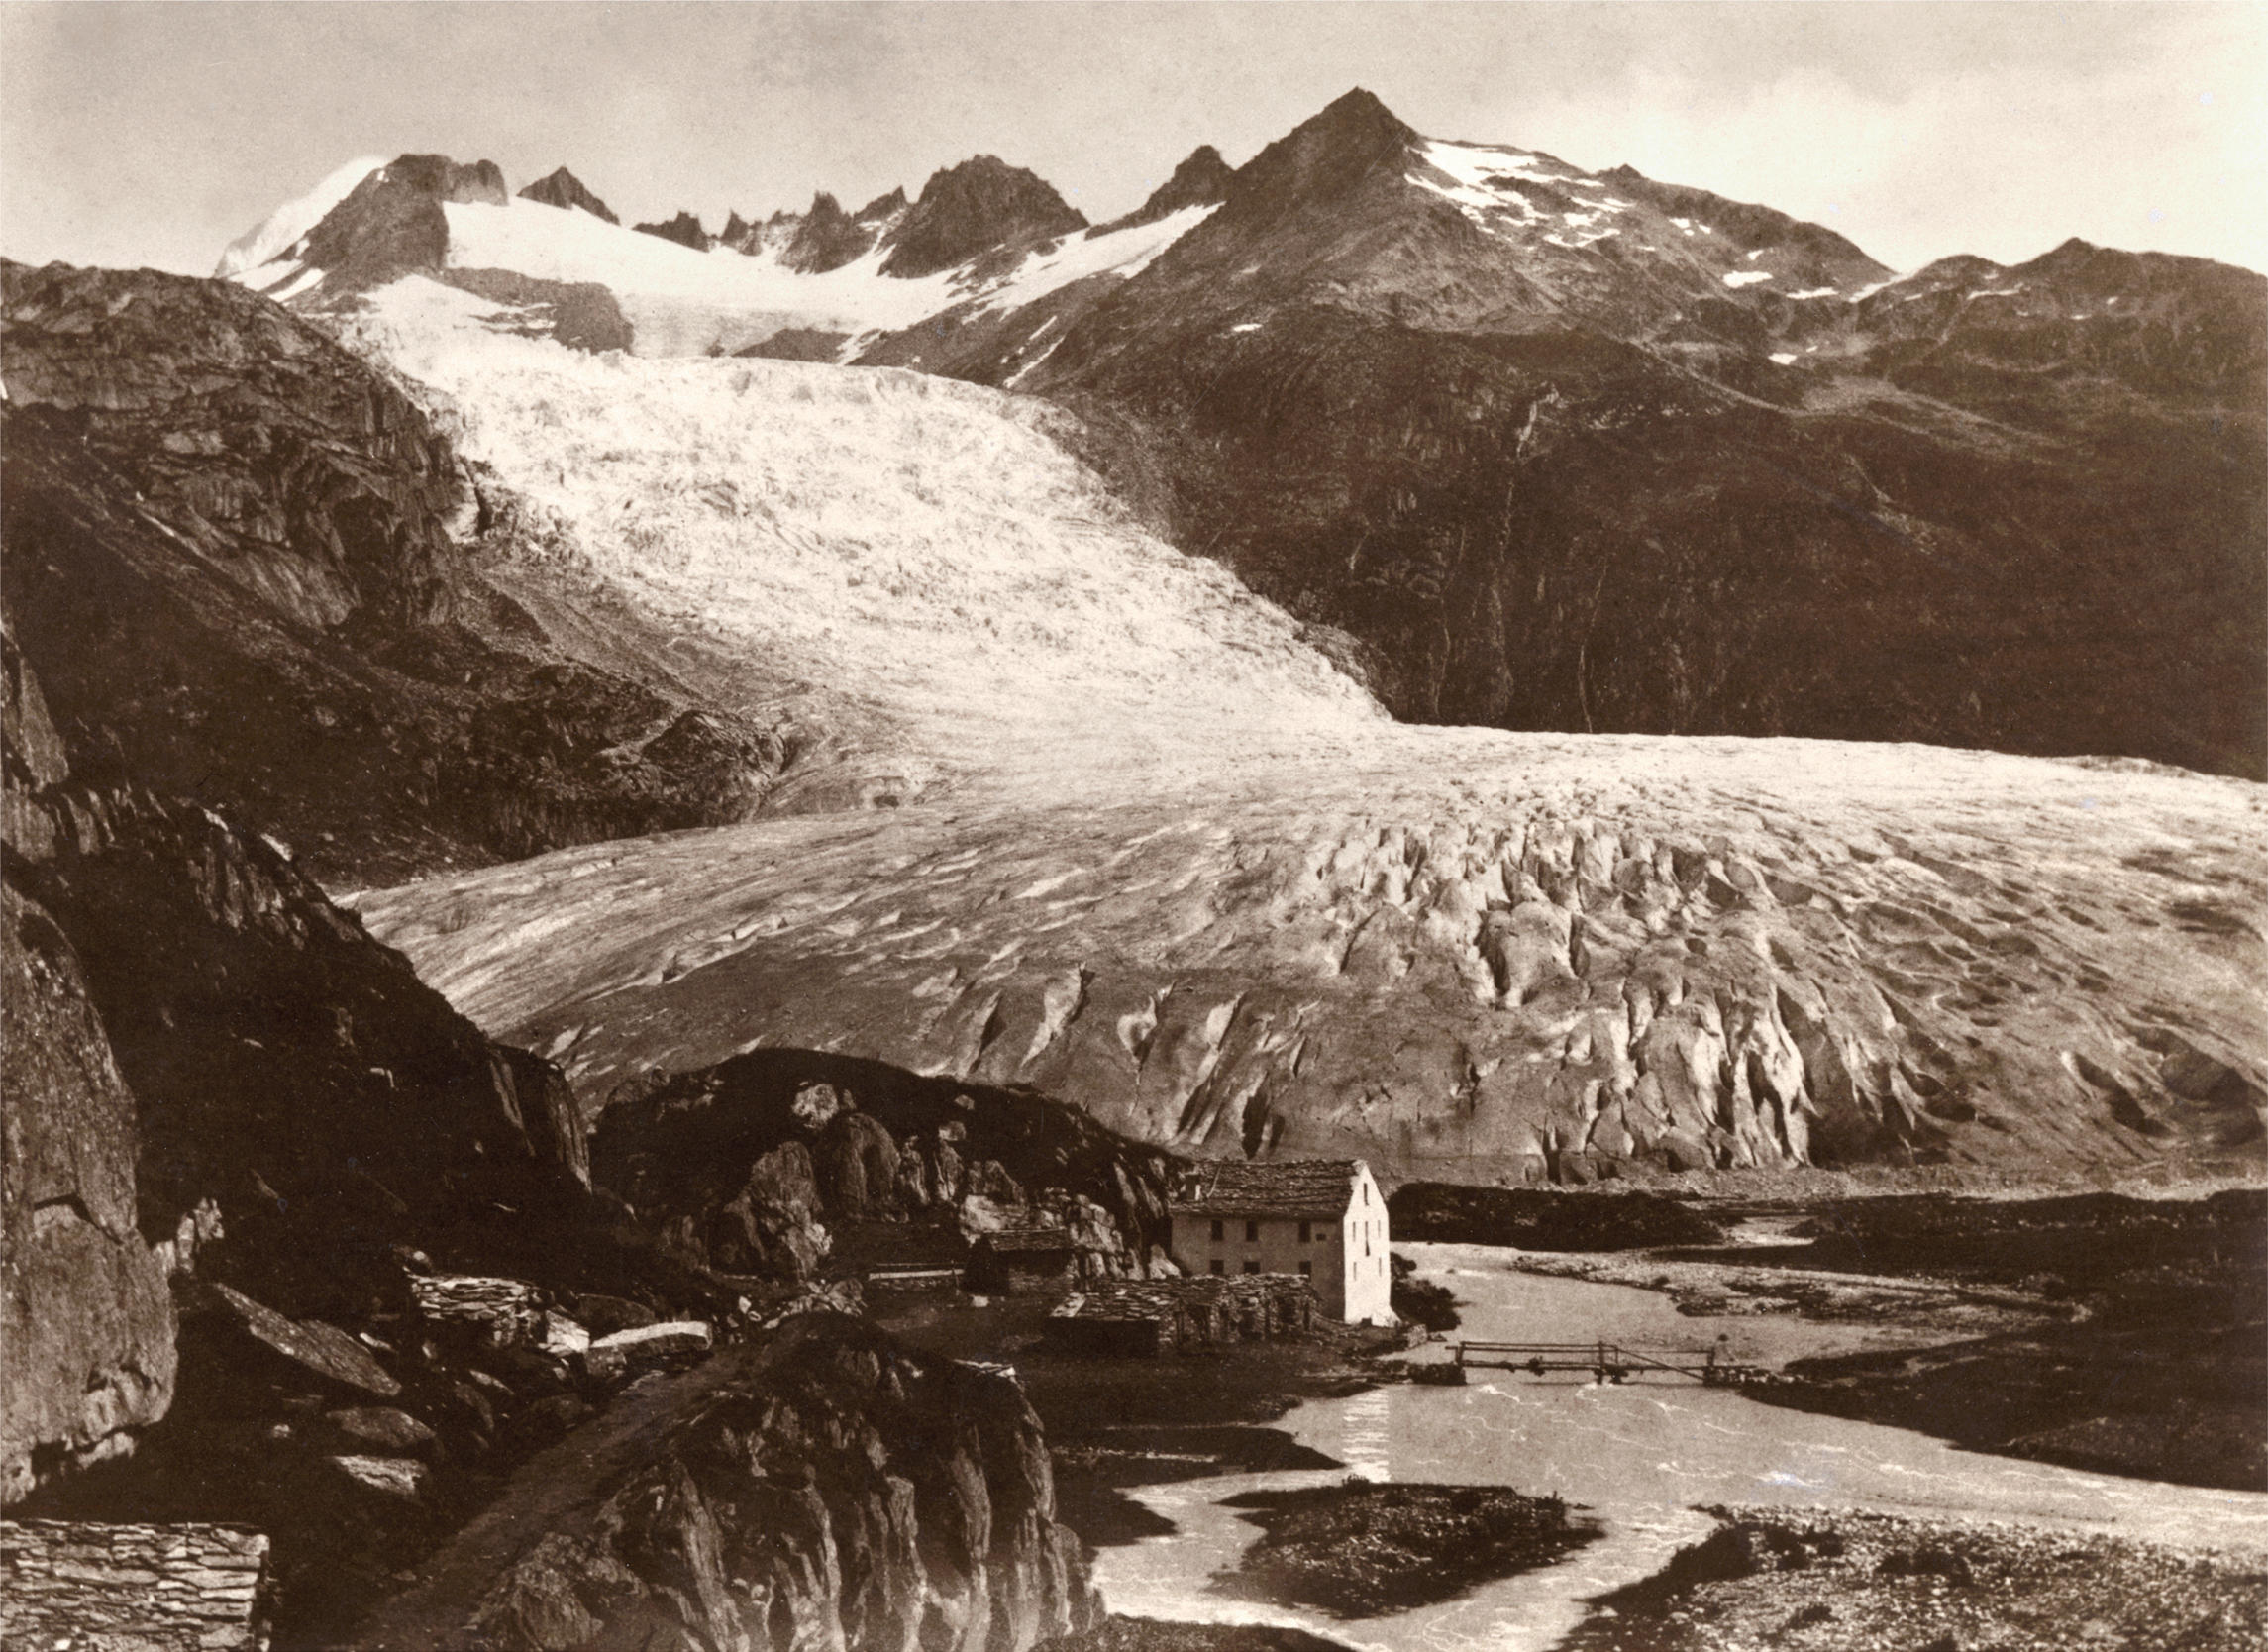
x=921, y=546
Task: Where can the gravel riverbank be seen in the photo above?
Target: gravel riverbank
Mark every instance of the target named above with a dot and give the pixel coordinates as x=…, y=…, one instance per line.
x=1825, y=1581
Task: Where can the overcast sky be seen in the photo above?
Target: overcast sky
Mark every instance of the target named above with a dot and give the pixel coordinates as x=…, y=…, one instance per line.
x=152, y=135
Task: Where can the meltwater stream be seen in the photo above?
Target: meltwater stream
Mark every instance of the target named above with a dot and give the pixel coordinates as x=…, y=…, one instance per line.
x=1635, y=1457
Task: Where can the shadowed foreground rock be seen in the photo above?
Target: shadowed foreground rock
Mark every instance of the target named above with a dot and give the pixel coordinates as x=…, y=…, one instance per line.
x=822, y=1488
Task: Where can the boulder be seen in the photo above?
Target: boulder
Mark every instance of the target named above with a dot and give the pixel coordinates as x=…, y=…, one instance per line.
x=649, y=1344
x=312, y=1350
x=403, y=1479
x=383, y=1430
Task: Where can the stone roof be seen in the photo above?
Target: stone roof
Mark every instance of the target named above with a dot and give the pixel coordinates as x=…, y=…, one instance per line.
x=1028, y=1239
x=1151, y=1299
x=1309, y=1187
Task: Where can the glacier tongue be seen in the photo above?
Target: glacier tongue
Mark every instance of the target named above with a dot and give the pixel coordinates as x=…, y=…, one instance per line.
x=1182, y=872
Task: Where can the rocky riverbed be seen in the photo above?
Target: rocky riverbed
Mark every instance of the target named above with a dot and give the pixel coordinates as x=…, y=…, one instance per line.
x=1830, y=1580
x=1363, y=1550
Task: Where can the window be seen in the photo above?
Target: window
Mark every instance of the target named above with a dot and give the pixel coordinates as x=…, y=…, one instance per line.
x=1252, y=1233
x=1307, y=1233
x=1250, y=1266
x=1307, y=1270
x=1219, y=1231
x=1218, y=1265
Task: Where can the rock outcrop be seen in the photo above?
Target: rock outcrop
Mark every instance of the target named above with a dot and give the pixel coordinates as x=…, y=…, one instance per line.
x=824, y=1489
x=393, y=222
x=747, y=1165
x=828, y=237
x=294, y=1100
x=980, y=204
x=564, y=189
x=685, y=228
x=86, y=1326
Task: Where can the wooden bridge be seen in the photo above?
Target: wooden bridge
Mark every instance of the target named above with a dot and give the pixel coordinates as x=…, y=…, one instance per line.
x=1605, y=1361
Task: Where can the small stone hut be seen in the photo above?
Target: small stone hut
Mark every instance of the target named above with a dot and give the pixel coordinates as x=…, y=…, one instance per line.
x=1020, y=1262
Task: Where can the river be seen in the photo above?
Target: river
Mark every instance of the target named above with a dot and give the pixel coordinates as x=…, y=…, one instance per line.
x=1636, y=1457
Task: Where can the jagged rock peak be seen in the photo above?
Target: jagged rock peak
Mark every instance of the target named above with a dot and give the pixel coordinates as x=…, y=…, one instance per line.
x=685, y=228
x=971, y=208
x=827, y=239
x=444, y=179
x=564, y=189
x=1331, y=151
x=1201, y=180
x=882, y=206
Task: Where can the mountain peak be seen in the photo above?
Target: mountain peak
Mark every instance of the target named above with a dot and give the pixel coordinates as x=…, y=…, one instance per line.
x=1201, y=180
x=1330, y=152
x=562, y=189
x=966, y=209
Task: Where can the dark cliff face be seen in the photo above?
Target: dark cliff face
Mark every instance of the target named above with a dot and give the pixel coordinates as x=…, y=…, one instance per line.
x=279, y=1068
x=246, y=559
x=86, y=1326
x=968, y=209
x=564, y=189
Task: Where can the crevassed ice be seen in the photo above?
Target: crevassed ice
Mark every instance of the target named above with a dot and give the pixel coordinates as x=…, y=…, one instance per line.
x=919, y=546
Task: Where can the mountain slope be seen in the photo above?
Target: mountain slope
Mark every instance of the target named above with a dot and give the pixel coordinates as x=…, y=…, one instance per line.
x=1587, y=452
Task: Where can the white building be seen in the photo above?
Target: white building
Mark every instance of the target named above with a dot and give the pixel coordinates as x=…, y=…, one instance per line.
x=1321, y=1218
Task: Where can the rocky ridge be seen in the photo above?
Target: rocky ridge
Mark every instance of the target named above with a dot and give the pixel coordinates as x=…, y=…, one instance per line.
x=562, y=189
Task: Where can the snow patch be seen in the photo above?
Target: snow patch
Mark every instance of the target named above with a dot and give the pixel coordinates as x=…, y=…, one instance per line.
x=307, y=280
x=1784, y=356
x=1123, y=253
x=1746, y=277
x=282, y=228
x=1814, y=292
